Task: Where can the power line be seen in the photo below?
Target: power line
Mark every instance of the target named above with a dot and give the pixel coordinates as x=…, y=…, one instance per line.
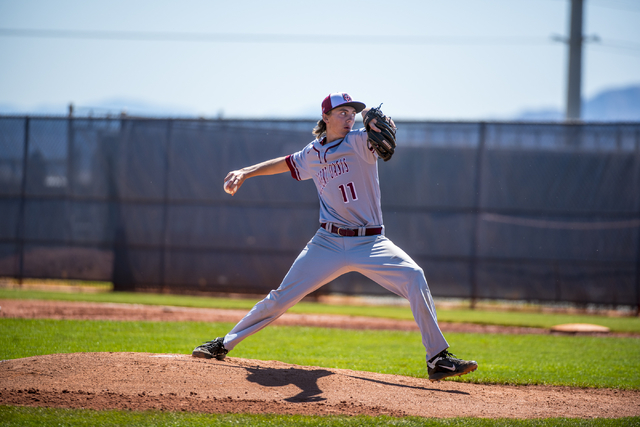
x=623, y=49
x=301, y=38
x=270, y=38
x=621, y=44
x=627, y=7
x=623, y=5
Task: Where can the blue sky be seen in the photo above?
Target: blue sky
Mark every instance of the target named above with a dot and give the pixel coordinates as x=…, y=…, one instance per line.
x=441, y=60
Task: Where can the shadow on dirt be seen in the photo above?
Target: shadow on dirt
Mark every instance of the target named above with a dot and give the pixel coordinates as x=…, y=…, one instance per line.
x=305, y=380
x=410, y=386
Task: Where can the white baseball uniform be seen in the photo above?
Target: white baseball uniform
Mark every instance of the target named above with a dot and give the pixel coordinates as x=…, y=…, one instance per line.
x=345, y=173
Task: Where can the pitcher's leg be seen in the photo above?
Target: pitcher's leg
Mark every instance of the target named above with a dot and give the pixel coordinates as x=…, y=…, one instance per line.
x=319, y=263
x=390, y=267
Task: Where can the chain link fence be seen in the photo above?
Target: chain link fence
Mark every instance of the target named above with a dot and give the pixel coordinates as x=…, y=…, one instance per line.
x=534, y=212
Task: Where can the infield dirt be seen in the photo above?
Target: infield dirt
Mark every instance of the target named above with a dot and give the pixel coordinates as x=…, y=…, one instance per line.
x=179, y=382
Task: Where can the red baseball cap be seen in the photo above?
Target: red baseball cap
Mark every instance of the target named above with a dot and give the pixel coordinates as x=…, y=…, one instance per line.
x=340, y=98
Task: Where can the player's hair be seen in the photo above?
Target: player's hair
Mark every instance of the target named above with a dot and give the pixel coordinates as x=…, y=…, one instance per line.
x=320, y=129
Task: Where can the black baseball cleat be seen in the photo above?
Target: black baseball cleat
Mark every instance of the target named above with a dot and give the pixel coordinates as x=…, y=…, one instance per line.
x=444, y=365
x=211, y=349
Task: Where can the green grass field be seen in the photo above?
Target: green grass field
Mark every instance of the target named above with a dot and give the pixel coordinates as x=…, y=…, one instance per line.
x=38, y=417
x=579, y=361
x=508, y=318
x=504, y=359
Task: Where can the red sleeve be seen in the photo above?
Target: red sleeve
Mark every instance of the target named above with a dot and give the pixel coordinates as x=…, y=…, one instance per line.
x=293, y=168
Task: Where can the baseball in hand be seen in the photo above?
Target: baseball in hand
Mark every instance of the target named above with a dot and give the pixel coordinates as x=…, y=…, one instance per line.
x=227, y=187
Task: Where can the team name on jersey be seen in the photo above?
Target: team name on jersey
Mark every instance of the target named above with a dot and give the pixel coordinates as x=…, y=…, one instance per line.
x=331, y=171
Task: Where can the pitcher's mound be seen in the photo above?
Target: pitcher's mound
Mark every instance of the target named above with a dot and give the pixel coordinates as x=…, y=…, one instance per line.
x=180, y=382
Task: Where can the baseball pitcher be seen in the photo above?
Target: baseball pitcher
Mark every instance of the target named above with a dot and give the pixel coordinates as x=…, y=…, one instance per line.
x=343, y=164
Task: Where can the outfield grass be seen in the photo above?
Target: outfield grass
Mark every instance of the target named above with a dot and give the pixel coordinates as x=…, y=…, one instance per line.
x=503, y=359
x=506, y=318
x=37, y=417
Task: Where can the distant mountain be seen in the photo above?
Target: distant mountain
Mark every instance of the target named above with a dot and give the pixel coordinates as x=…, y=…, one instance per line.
x=620, y=104
x=134, y=108
x=43, y=109
x=613, y=105
x=543, y=115
x=113, y=107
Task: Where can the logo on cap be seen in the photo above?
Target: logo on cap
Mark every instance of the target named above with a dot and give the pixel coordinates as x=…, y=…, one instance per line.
x=334, y=100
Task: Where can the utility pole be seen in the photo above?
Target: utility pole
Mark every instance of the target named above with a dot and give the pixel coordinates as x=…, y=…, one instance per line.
x=574, y=77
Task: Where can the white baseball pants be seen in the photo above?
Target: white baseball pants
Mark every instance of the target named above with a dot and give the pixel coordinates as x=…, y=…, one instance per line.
x=328, y=256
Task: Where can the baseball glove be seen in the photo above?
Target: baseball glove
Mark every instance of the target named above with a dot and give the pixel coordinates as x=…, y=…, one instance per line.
x=383, y=142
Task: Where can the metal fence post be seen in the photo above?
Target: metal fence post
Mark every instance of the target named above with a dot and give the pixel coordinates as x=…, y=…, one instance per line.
x=165, y=206
x=122, y=275
x=473, y=265
x=23, y=192
x=637, y=192
x=69, y=189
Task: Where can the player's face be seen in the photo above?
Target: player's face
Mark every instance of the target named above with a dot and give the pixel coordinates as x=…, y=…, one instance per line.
x=340, y=121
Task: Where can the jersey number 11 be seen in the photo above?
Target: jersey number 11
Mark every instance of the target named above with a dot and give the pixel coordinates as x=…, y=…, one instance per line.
x=348, y=190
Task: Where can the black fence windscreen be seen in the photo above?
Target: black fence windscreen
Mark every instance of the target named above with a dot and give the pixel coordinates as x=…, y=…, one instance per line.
x=536, y=212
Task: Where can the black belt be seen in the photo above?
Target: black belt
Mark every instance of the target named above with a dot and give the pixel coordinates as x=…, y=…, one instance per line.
x=350, y=232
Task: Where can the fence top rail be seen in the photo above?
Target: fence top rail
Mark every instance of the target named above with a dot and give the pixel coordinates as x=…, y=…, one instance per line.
x=313, y=119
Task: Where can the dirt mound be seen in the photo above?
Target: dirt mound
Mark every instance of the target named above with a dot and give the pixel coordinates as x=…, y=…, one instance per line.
x=177, y=382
